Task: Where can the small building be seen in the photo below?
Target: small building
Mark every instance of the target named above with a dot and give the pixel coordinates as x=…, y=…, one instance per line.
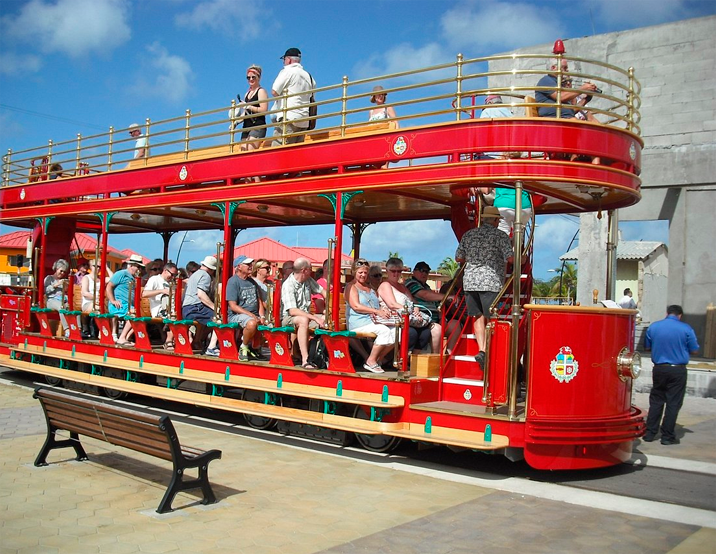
x=277, y=253
x=643, y=267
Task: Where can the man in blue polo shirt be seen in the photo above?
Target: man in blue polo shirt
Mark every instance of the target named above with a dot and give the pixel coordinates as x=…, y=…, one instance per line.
x=670, y=341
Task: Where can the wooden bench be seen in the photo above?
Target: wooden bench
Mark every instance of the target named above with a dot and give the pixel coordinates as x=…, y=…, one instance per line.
x=530, y=111
x=146, y=433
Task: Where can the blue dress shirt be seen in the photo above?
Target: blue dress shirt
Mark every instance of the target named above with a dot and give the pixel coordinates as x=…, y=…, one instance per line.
x=671, y=341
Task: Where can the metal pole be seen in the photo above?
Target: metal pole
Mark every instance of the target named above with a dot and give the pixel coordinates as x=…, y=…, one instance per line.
x=612, y=239
x=516, y=301
x=458, y=92
x=344, y=105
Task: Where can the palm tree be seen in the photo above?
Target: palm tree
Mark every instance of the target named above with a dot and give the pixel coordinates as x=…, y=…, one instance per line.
x=568, y=282
x=448, y=267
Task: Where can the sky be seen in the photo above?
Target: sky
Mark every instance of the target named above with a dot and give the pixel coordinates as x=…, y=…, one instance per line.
x=79, y=66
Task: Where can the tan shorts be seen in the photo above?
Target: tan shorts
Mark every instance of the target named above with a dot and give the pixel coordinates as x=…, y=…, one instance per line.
x=288, y=320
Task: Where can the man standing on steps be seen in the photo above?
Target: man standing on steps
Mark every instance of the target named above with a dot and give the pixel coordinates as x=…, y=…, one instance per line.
x=486, y=251
x=670, y=341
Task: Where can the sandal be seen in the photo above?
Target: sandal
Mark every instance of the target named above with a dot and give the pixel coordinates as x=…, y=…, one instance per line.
x=169, y=345
x=308, y=365
x=125, y=343
x=373, y=368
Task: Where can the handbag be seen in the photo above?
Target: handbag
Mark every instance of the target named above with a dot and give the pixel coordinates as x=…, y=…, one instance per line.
x=420, y=319
x=312, y=109
x=392, y=321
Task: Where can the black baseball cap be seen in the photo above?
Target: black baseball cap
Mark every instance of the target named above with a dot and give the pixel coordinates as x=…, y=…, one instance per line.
x=294, y=52
x=422, y=266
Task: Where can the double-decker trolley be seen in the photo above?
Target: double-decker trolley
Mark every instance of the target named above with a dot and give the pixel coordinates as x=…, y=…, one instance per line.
x=555, y=388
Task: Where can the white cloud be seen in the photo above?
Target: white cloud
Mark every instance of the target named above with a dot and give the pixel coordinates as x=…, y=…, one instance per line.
x=499, y=25
x=19, y=64
x=73, y=27
x=171, y=76
x=641, y=13
x=403, y=57
x=243, y=19
x=431, y=241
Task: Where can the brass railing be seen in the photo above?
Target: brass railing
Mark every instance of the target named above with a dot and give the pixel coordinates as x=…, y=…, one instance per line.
x=425, y=96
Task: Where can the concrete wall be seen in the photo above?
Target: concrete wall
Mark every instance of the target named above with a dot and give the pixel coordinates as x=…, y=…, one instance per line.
x=676, y=65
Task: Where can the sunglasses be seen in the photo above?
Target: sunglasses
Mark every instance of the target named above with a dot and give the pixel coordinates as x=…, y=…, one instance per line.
x=250, y=77
x=362, y=263
x=395, y=271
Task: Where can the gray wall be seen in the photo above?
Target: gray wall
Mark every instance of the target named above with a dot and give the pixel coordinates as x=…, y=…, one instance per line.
x=676, y=65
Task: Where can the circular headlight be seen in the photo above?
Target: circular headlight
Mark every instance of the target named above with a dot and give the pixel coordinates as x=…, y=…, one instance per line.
x=628, y=364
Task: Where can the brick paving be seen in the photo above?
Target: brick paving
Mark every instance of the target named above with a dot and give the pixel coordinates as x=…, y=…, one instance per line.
x=278, y=499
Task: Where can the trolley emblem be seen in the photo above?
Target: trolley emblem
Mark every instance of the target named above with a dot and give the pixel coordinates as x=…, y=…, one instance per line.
x=564, y=367
x=632, y=151
x=22, y=194
x=183, y=173
x=279, y=349
x=467, y=395
x=400, y=146
x=181, y=339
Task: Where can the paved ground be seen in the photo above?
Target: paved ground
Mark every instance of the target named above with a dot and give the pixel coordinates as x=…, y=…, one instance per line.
x=279, y=499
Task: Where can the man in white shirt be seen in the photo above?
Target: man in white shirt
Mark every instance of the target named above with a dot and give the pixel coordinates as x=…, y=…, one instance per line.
x=294, y=82
x=140, y=147
x=157, y=290
x=627, y=302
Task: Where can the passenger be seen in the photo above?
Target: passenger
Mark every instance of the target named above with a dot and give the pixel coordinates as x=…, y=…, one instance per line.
x=286, y=269
x=253, y=112
x=585, y=115
x=56, y=171
x=396, y=296
x=157, y=290
x=486, y=251
x=55, y=293
x=425, y=296
x=381, y=111
x=198, y=305
x=494, y=113
x=319, y=302
x=141, y=149
x=505, y=200
x=118, y=299
x=296, y=303
x=246, y=306
x=82, y=270
x=90, y=295
x=261, y=273
x=362, y=303
x=375, y=276
x=191, y=267
x=295, y=82
x=549, y=96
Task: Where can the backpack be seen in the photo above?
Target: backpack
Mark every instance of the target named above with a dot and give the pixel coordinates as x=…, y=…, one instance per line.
x=317, y=352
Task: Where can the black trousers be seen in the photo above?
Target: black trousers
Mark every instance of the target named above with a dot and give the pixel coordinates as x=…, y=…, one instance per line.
x=669, y=387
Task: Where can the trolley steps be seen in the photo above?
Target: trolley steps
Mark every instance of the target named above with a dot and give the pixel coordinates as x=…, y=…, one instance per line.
x=423, y=431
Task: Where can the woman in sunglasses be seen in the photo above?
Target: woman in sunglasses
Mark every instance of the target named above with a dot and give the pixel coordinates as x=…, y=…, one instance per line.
x=362, y=303
x=255, y=105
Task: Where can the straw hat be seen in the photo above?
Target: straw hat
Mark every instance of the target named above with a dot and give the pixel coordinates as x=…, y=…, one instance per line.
x=490, y=212
x=377, y=89
x=135, y=259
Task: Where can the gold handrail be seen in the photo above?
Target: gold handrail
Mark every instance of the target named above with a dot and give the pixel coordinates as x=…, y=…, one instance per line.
x=421, y=96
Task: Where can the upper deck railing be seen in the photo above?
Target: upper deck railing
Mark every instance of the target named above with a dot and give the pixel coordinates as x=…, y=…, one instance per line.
x=425, y=96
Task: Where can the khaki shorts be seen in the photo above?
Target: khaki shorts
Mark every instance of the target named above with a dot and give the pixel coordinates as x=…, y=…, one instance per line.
x=288, y=320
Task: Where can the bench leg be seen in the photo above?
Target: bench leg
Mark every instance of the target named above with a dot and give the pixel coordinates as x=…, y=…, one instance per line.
x=178, y=484
x=51, y=443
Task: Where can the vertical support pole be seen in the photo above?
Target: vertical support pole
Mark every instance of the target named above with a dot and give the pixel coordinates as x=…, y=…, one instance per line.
x=110, y=143
x=630, y=101
x=612, y=238
x=344, y=105
x=49, y=158
x=6, y=167
x=78, y=151
x=336, y=277
x=558, y=110
x=232, y=132
x=41, y=269
x=228, y=262
x=516, y=301
x=146, y=134
x=458, y=92
x=102, y=269
x=187, y=127
x=137, y=296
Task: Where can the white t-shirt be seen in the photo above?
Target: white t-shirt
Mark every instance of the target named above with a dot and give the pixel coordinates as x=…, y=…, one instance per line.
x=293, y=79
x=159, y=301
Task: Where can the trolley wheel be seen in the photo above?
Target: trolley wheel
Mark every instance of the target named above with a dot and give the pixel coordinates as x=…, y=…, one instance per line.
x=257, y=422
x=114, y=394
x=52, y=381
x=374, y=443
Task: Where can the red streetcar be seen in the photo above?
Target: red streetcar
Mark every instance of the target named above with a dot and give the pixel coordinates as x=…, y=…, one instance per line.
x=556, y=385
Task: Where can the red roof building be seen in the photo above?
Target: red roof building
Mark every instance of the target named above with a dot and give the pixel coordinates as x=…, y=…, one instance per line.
x=278, y=253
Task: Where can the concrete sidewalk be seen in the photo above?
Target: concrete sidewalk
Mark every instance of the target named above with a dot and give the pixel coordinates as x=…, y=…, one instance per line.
x=279, y=499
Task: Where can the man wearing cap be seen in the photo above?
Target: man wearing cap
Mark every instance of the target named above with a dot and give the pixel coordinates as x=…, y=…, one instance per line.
x=296, y=304
x=291, y=80
x=140, y=146
x=425, y=296
x=246, y=305
x=551, y=95
x=486, y=251
x=118, y=297
x=198, y=304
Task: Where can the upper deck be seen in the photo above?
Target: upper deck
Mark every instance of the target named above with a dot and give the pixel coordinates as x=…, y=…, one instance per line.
x=196, y=163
